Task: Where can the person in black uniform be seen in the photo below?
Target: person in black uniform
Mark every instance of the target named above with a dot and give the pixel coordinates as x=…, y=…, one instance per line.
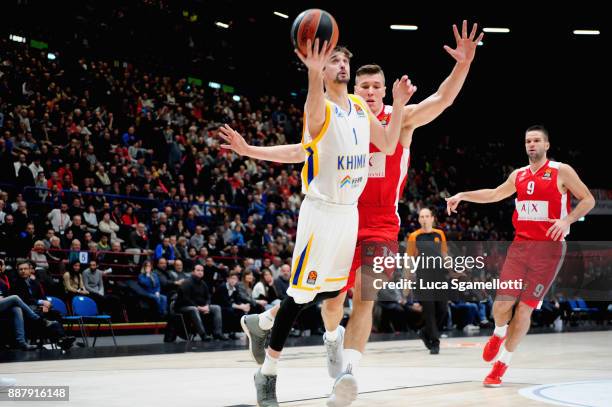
x=429, y=242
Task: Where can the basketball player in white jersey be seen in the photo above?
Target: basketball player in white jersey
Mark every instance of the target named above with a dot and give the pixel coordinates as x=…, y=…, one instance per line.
x=378, y=218
x=338, y=128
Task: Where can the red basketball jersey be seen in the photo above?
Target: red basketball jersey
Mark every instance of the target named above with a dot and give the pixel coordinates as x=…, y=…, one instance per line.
x=387, y=175
x=538, y=199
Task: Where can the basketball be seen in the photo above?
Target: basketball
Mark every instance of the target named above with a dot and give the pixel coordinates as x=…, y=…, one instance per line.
x=311, y=24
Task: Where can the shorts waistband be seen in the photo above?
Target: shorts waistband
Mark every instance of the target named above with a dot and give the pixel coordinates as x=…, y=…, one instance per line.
x=330, y=206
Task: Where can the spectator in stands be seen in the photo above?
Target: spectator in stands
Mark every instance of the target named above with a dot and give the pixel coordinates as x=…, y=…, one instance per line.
x=181, y=249
x=60, y=219
x=31, y=293
x=37, y=255
x=94, y=284
x=78, y=228
x=129, y=219
x=2, y=212
x=194, y=300
x=57, y=257
x=104, y=243
x=149, y=280
x=276, y=265
x=8, y=231
x=264, y=291
x=109, y=227
x=21, y=215
x=211, y=246
x=245, y=290
x=116, y=259
x=233, y=305
x=75, y=251
x=165, y=250
x=73, y=280
x=182, y=272
x=214, y=275
x=197, y=239
x=16, y=309
x=281, y=283
x=76, y=209
x=139, y=239
x=91, y=219
x=399, y=311
x=168, y=278
x=26, y=240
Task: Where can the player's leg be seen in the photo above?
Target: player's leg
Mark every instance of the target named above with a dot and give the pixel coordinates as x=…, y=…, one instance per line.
x=514, y=268
x=265, y=377
x=517, y=330
x=332, y=312
x=359, y=325
x=257, y=328
x=519, y=326
x=502, y=313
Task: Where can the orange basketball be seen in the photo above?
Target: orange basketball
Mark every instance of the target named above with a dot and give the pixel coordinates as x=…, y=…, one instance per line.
x=311, y=24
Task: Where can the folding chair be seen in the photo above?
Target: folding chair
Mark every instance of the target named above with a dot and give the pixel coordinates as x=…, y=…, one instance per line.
x=87, y=309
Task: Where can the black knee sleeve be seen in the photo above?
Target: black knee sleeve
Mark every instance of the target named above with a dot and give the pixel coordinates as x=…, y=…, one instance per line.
x=286, y=316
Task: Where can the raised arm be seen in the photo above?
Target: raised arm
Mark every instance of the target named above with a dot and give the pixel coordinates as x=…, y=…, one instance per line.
x=315, y=99
x=291, y=153
x=386, y=138
x=572, y=182
x=483, y=195
x=419, y=114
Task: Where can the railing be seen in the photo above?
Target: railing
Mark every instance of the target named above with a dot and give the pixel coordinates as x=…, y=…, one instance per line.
x=66, y=195
x=131, y=264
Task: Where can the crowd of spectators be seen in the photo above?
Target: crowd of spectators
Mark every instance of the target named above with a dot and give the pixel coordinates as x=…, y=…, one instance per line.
x=112, y=181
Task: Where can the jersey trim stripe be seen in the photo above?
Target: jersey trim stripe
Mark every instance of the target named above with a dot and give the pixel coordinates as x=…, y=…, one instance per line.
x=319, y=136
x=301, y=263
x=311, y=164
x=357, y=100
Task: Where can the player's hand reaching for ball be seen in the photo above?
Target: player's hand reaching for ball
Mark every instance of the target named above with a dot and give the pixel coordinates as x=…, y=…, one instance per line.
x=452, y=203
x=316, y=56
x=403, y=89
x=234, y=140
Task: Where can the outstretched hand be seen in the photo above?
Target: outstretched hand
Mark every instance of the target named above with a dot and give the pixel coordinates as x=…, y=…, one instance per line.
x=403, y=89
x=452, y=203
x=466, y=46
x=234, y=140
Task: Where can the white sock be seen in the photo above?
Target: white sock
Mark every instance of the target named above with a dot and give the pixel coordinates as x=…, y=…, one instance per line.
x=506, y=356
x=266, y=320
x=331, y=336
x=269, y=365
x=500, y=330
x=351, y=357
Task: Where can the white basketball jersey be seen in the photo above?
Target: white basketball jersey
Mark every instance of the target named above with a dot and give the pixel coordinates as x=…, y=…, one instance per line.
x=336, y=165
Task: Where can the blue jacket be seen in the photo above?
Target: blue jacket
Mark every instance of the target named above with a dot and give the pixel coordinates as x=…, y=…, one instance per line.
x=151, y=285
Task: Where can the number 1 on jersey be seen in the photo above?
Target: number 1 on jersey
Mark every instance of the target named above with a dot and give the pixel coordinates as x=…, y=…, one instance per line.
x=355, y=134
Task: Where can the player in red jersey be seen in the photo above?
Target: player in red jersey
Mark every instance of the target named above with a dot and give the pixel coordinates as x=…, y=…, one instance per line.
x=378, y=217
x=541, y=219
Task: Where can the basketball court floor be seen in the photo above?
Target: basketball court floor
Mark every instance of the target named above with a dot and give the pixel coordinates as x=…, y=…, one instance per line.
x=569, y=369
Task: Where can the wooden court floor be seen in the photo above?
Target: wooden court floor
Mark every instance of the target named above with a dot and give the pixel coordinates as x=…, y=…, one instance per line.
x=395, y=373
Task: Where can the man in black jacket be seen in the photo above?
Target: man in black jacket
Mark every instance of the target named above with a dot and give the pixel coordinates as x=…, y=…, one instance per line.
x=30, y=291
x=194, y=302
x=233, y=305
